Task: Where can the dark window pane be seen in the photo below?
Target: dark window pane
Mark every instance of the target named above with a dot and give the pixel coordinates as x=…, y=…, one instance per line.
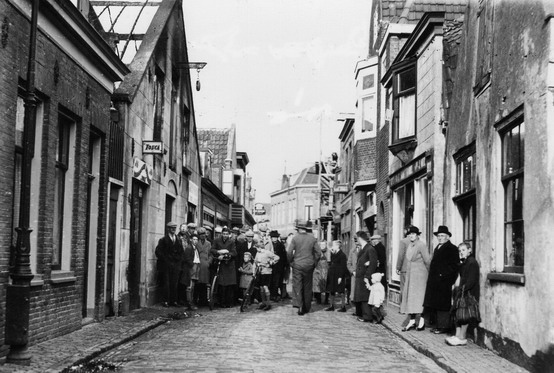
x=407, y=80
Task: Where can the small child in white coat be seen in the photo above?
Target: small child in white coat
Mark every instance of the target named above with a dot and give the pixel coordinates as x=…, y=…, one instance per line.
x=376, y=296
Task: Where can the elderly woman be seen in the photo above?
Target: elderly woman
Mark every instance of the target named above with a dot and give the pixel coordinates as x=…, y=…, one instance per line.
x=413, y=293
x=202, y=247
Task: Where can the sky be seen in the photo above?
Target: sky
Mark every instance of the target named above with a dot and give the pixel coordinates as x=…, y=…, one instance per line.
x=282, y=71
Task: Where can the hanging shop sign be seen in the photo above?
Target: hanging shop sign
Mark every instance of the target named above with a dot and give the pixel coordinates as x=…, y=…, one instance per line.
x=193, y=193
x=152, y=147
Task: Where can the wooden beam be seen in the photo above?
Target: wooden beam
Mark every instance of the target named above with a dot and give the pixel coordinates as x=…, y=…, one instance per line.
x=124, y=3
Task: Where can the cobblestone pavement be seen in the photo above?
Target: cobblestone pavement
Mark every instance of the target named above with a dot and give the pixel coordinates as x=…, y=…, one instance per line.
x=274, y=341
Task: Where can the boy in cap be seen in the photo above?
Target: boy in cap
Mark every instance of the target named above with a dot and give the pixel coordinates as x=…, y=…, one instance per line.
x=376, y=296
x=265, y=259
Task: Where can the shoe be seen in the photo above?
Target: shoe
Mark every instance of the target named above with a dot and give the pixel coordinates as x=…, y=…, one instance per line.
x=419, y=329
x=354, y=314
x=262, y=306
x=331, y=308
x=301, y=313
x=267, y=308
x=455, y=341
x=192, y=308
x=360, y=319
x=342, y=309
x=411, y=325
x=439, y=331
x=421, y=325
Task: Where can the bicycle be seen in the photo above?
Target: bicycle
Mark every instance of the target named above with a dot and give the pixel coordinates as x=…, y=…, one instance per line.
x=252, y=286
x=212, y=291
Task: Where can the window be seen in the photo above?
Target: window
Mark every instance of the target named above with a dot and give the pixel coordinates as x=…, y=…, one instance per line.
x=465, y=193
x=368, y=113
x=513, y=141
x=404, y=105
x=308, y=212
x=158, y=105
x=63, y=186
x=368, y=81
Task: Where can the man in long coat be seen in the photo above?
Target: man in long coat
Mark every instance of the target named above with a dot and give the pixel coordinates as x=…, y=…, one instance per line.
x=170, y=254
x=303, y=254
x=381, y=257
x=366, y=265
x=278, y=269
x=443, y=272
x=224, y=250
x=351, y=265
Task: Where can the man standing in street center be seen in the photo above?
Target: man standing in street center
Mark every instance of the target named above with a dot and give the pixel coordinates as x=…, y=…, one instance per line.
x=303, y=254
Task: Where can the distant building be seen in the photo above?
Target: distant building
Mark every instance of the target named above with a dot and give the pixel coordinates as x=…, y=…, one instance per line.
x=297, y=200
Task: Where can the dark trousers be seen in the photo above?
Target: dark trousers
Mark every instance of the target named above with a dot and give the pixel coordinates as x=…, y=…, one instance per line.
x=363, y=310
x=170, y=281
x=226, y=295
x=200, y=294
x=440, y=318
x=302, y=282
x=276, y=282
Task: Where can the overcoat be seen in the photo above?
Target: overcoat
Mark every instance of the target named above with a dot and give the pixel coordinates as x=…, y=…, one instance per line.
x=442, y=275
x=205, y=260
x=367, y=254
x=227, y=269
x=320, y=275
x=417, y=271
x=170, y=254
x=351, y=265
x=382, y=266
x=337, y=270
x=469, y=277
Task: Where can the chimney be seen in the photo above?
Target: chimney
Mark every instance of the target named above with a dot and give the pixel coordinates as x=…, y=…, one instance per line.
x=285, y=182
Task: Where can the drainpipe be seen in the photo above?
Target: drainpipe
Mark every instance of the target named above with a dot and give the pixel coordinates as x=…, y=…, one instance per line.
x=19, y=291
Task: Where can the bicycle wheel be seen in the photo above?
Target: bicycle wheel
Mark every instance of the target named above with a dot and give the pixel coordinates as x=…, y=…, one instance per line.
x=247, y=296
x=213, y=292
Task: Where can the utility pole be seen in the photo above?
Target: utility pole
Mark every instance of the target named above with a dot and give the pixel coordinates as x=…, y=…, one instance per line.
x=19, y=291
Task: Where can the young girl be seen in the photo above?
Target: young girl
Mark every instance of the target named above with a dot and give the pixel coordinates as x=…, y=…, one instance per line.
x=246, y=270
x=376, y=296
x=469, y=282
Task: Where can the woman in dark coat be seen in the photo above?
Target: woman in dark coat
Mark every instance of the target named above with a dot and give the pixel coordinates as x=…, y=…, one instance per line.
x=469, y=283
x=366, y=265
x=337, y=276
x=203, y=247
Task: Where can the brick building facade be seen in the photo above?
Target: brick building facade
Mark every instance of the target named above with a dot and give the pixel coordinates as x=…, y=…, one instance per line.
x=74, y=82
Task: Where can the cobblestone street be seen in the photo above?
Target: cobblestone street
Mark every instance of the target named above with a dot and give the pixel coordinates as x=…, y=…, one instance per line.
x=279, y=340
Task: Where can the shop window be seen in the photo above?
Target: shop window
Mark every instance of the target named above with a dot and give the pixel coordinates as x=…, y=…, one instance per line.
x=513, y=141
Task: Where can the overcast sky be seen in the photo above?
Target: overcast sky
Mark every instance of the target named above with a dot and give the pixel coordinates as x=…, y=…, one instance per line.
x=282, y=71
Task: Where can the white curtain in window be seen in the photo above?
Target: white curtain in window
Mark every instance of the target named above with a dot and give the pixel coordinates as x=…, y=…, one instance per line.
x=406, y=120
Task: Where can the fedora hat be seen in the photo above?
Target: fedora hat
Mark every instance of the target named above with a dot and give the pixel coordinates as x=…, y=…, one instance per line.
x=274, y=234
x=443, y=229
x=171, y=225
x=413, y=229
x=375, y=237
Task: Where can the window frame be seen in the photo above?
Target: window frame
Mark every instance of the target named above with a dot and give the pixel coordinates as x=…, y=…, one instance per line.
x=397, y=94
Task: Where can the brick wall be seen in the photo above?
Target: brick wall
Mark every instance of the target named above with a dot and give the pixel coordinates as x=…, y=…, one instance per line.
x=60, y=82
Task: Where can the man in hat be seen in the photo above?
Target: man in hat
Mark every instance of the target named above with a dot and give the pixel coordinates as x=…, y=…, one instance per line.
x=366, y=265
x=170, y=254
x=443, y=272
x=225, y=251
x=381, y=257
x=303, y=254
x=278, y=273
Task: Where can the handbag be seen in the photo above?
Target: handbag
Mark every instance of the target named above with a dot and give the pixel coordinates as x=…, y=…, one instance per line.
x=467, y=308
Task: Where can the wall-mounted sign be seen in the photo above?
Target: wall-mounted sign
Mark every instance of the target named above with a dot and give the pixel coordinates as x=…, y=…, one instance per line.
x=193, y=193
x=152, y=147
x=142, y=171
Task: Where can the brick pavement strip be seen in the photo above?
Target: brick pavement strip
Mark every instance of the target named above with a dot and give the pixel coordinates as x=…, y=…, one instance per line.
x=97, y=338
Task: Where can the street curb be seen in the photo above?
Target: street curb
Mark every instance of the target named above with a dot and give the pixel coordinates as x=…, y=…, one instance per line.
x=80, y=359
x=419, y=347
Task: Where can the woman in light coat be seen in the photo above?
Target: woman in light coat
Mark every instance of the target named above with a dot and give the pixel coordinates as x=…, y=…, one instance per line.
x=417, y=272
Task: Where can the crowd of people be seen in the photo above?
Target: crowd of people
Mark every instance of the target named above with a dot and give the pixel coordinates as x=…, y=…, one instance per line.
x=430, y=284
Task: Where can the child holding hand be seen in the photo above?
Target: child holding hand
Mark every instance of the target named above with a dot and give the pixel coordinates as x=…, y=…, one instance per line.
x=376, y=296
x=246, y=272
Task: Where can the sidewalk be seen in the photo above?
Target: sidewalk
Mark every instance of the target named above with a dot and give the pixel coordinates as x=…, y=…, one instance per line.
x=93, y=339
x=470, y=358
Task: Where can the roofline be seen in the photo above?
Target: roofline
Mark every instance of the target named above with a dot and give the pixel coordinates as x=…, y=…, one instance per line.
x=396, y=29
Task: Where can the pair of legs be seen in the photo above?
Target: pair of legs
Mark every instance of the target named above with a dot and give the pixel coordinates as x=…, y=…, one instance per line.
x=333, y=297
x=200, y=294
x=265, y=281
x=363, y=311
x=440, y=319
x=170, y=281
x=416, y=321
x=302, y=281
x=226, y=295
x=275, y=287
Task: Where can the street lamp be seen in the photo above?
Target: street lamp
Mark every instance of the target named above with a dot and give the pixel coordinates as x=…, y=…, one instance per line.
x=19, y=291
x=193, y=65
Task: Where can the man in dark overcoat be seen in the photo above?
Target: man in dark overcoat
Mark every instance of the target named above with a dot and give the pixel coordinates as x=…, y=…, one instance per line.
x=366, y=265
x=170, y=254
x=303, y=254
x=223, y=248
x=185, y=281
x=381, y=257
x=443, y=272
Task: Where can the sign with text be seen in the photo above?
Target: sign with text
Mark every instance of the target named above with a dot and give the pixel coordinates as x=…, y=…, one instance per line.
x=152, y=147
